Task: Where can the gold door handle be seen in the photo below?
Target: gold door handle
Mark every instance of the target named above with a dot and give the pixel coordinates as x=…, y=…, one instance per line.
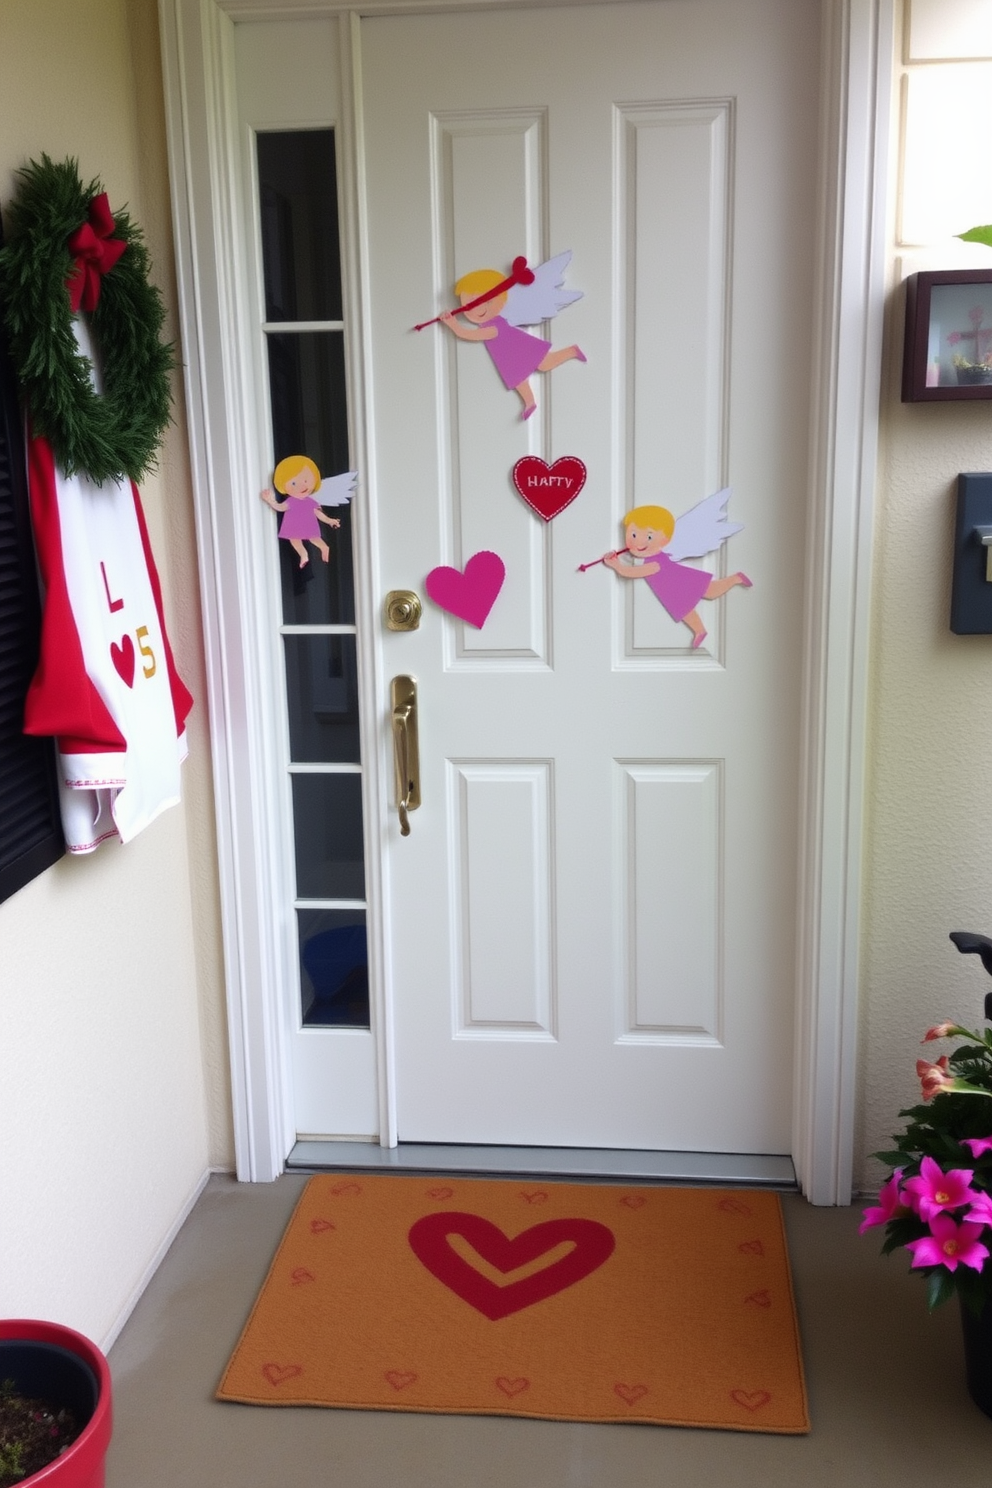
x=406, y=748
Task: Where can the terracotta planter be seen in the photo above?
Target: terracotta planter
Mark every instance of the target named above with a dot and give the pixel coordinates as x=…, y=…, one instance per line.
x=80, y=1379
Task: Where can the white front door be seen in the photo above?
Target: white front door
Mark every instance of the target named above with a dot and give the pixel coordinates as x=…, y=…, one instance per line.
x=590, y=929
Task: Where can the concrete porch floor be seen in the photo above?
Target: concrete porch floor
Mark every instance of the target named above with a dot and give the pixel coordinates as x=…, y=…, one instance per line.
x=886, y=1385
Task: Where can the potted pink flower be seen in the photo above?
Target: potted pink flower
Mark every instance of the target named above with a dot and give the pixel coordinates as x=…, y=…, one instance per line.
x=937, y=1204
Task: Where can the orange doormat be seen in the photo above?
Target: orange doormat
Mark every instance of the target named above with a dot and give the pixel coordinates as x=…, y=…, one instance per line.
x=562, y=1301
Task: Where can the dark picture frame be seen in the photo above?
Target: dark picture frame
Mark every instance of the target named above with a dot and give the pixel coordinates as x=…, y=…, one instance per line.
x=947, y=356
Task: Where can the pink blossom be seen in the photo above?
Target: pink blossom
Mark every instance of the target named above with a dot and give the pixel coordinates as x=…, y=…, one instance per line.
x=954, y=337
x=939, y=1031
x=980, y=1211
x=949, y=1244
x=935, y=1190
x=890, y=1204
x=978, y=1145
x=934, y=1077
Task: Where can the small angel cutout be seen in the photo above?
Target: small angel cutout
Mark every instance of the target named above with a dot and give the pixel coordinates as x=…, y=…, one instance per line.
x=297, y=478
x=655, y=537
x=497, y=306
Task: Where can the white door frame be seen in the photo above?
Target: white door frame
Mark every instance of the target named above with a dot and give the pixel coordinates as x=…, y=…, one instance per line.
x=197, y=46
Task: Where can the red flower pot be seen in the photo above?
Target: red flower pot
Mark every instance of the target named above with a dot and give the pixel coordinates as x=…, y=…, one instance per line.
x=82, y=1464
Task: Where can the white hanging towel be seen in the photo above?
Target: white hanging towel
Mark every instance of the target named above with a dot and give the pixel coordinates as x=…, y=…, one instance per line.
x=106, y=687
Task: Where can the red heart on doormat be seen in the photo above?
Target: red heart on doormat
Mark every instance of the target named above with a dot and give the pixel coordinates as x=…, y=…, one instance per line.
x=469, y=595
x=123, y=658
x=430, y=1242
x=630, y=1393
x=278, y=1374
x=751, y=1400
x=548, y=489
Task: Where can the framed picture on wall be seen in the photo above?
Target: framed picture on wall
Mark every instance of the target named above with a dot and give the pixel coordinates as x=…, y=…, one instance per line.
x=948, y=350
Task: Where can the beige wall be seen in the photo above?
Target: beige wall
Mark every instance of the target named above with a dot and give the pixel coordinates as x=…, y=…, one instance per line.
x=928, y=850
x=114, y=1096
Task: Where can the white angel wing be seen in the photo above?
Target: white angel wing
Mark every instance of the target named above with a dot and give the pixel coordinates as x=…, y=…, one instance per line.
x=703, y=528
x=337, y=490
x=528, y=304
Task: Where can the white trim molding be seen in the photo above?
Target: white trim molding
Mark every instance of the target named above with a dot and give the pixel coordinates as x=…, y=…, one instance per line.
x=857, y=76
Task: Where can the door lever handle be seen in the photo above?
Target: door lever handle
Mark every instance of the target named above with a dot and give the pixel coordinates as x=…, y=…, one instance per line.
x=406, y=748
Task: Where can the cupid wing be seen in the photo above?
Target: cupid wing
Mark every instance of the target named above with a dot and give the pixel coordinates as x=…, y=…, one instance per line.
x=337, y=490
x=703, y=528
x=529, y=304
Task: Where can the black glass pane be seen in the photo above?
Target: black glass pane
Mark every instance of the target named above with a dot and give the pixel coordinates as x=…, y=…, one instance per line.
x=298, y=200
x=322, y=693
x=334, y=968
x=327, y=816
x=309, y=417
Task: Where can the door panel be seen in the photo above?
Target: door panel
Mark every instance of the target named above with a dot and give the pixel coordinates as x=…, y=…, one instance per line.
x=591, y=924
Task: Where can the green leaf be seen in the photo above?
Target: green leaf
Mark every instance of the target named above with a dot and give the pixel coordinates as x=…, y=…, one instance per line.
x=940, y=1287
x=893, y=1159
x=977, y=235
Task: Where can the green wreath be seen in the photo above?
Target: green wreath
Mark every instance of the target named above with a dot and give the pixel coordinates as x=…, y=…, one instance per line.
x=108, y=435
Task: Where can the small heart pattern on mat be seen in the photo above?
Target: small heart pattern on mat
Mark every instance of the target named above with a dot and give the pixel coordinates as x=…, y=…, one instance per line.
x=301, y=1276
x=512, y=1387
x=533, y=1196
x=468, y=594
x=400, y=1378
x=760, y=1299
x=278, y=1374
x=346, y=1190
x=631, y=1393
x=320, y=1226
x=751, y=1400
x=751, y=1247
x=440, y=1193
x=734, y=1206
x=633, y=1201
x=548, y=489
x=429, y=1240
x=123, y=658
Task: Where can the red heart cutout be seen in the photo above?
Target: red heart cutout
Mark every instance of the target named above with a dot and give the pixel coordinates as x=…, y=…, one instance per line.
x=630, y=1393
x=512, y=1387
x=400, y=1378
x=751, y=1400
x=472, y=594
x=123, y=658
x=548, y=489
x=278, y=1374
x=429, y=1241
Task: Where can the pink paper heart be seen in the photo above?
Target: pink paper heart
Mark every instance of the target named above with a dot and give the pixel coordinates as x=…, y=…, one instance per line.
x=470, y=594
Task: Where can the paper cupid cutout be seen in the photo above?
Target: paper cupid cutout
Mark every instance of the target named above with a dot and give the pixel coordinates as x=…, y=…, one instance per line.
x=95, y=252
x=469, y=595
x=548, y=489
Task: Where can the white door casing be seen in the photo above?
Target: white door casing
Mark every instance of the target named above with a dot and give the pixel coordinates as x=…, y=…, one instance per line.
x=856, y=65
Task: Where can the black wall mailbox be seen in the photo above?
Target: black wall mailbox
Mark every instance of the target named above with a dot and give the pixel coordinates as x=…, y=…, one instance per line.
x=971, y=591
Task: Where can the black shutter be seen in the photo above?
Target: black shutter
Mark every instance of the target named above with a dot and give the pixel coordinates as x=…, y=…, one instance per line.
x=30, y=826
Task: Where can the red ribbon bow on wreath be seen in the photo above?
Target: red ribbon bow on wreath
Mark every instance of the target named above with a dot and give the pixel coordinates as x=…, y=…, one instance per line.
x=95, y=253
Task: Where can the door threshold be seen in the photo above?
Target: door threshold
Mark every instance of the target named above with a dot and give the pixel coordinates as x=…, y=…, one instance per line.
x=759, y=1170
